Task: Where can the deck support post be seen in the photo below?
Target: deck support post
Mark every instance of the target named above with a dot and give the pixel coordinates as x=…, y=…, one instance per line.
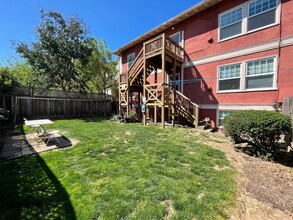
x=144, y=89
x=139, y=106
x=173, y=94
x=155, y=106
x=164, y=80
x=155, y=114
x=127, y=94
x=119, y=98
x=127, y=100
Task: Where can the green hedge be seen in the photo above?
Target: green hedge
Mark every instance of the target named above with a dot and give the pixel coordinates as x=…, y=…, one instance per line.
x=261, y=129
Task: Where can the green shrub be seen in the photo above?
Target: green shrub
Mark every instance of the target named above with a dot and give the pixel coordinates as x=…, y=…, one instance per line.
x=131, y=116
x=7, y=81
x=261, y=129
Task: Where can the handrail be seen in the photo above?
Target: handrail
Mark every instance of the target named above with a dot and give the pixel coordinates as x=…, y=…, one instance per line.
x=189, y=107
x=178, y=48
x=154, y=84
x=155, y=44
x=169, y=38
x=138, y=56
x=154, y=39
x=137, y=62
x=181, y=94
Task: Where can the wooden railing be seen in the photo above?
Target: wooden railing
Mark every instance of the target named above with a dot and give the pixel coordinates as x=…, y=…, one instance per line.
x=174, y=48
x=151, y=47
x=186, y=107
x=155, y=45
x=136, y=65
x=185, y=103
x=154, y=92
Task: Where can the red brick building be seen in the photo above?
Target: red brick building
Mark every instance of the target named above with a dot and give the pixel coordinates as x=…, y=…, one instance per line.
x=237, y=55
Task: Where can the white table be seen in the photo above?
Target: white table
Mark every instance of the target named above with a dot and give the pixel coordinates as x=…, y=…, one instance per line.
x=32, y=124
x=38, y=122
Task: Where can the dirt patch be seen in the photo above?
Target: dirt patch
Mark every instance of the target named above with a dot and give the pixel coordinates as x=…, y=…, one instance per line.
x=169, y=209
x=128, y=133
x=265, y=189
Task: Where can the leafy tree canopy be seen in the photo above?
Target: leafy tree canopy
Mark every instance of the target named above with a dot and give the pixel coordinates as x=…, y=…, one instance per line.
x=100, y=69
x=25, y=75
x=61, y=49
x=7, y=81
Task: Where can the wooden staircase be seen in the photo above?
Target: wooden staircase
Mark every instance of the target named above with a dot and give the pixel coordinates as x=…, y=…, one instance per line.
x=157, y=94
x=135, y=72
x=186, y=108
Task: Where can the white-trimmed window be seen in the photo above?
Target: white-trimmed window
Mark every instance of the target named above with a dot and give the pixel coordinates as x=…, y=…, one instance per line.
x=130, y=59
x=248, y=17
x=251, y=75
x=176, y=37
x=222, y=114
x=229, y=77
x=231, y=23
x=260, y=74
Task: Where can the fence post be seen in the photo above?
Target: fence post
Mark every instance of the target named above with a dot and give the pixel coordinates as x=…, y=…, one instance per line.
x=16, y=110
x=287, y=109
x=12, y=107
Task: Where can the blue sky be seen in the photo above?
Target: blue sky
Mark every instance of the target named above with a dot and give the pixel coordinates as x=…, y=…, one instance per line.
x=116, y=21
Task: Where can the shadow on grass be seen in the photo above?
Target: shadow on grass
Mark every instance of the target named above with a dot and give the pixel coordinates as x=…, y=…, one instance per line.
x=62, y=142
x=6, y=128
x=29, y=190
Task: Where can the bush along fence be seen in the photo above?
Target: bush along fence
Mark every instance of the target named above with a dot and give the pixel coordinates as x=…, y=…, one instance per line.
x=38, y=103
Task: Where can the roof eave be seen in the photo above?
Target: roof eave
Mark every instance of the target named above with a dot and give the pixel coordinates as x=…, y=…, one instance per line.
x=173, y=21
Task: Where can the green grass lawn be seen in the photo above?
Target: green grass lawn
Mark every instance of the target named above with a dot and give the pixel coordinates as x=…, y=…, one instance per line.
x=119, y=171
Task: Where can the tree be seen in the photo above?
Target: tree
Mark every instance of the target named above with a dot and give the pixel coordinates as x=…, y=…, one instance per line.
x=7, y=81
x=25, y=75
x=100, y=69
x=62, y=48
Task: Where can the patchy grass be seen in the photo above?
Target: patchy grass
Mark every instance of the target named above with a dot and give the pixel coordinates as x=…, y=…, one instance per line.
x=119, y=171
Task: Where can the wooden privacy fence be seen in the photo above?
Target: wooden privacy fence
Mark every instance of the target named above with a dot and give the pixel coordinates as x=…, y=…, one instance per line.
x=287, y=107
x=30, y=107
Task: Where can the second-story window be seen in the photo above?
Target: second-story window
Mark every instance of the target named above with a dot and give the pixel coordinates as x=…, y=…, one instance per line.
x=130, y=59
x=231, y=23
x=261, y=13
x=248, y=17
x=176, y=37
